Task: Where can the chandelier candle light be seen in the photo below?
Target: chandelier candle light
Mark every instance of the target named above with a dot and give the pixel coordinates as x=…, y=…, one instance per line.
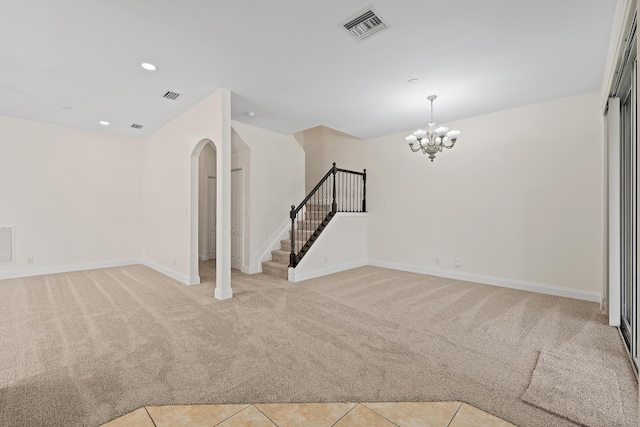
x=433, y=140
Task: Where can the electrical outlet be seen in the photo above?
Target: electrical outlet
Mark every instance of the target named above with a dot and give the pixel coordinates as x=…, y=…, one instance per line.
x=458, y=264
x=326, y=260
x=437, y=260
x=174, y=262
x=30, y=259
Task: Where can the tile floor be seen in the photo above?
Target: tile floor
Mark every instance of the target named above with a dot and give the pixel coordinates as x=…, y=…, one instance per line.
x=402, y=414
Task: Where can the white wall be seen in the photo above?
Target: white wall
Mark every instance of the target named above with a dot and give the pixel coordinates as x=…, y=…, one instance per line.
x=73, y=196
x=341, y=246
x=276, y=182
x=323, y=146
x=518, y=200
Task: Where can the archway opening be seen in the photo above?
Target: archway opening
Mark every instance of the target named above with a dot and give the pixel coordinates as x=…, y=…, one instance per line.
x=207, y=213
x=223, y=232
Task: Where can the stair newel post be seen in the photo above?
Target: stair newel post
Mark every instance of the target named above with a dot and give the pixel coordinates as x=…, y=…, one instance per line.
x=292, y=256
x=364, y=191
x=334, y=205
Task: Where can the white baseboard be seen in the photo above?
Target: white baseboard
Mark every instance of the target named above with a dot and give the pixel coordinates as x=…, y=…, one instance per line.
x=187, y=280
x=297, y=277
x=67, y=268
x=494, y=281
x=203, y=257
x=251, y=270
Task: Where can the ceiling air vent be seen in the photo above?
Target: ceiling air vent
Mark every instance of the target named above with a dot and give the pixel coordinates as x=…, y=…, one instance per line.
x=364, y=24
x=136, y=126
x=171, y=95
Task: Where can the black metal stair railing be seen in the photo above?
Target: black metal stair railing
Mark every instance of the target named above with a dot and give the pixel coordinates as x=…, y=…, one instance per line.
x=340, y=190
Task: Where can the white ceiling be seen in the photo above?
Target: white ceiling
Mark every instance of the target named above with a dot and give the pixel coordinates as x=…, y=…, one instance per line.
x=290, y=63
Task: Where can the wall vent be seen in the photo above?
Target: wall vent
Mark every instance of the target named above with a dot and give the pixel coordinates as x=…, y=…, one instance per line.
x=6, y=246
x=171, y=95
x=136, y=126
x=364, y=24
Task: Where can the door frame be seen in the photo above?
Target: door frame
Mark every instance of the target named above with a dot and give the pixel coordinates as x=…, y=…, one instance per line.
x=242, y=217
x=207, y=213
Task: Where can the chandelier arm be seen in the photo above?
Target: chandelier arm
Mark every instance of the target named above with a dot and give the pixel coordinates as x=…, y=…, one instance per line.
x=415, y=150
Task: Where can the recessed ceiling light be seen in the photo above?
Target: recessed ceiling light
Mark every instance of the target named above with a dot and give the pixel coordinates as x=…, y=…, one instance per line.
x=412, y=81
x=251, y=114
x=104, y=123
x=149, y=67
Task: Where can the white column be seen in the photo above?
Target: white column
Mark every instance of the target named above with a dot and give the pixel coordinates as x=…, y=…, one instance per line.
x=223, y=221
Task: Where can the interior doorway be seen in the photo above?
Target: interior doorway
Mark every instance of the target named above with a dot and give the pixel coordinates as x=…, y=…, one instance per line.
x=211, y=201
x=207, y=202
x=237, y=217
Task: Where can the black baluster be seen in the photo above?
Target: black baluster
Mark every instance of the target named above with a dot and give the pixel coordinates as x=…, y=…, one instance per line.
x=292, y=256
x=334, y=205
x=364, y=191
x=342, y=206
x=351, y=192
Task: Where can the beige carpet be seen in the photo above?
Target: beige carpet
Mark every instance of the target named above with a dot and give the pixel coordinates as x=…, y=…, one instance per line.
x=575, y=387
x=83, y=348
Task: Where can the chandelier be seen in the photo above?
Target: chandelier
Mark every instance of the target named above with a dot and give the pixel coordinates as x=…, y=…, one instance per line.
x=433, y=140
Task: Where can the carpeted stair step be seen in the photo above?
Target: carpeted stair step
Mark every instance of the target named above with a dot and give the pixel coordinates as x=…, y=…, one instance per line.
x=316, y=212
x=309, y=223
x=319, y=206
x=285, y=245
x=303, y=235
x=281, y=256
x=313, y=215
x=277, y=269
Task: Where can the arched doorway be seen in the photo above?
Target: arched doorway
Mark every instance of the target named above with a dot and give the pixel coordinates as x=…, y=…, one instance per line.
x=223, y=229
x=207, y=201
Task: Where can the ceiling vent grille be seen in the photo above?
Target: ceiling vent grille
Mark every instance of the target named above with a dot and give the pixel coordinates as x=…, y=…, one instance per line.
x=136, y=126
x=364, y=24
x=171, y=95
x=6, y=245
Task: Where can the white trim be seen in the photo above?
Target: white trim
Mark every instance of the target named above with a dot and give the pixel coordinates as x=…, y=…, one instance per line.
x=207, y=215
x=613, y=226
x=493, y=281
x=243, y=218
x=67, y=268
x=487, y=280
x=96, y=265
x=271, y=244
x=295, y=278
x=223, y=294
x=604, y=303
x=351, y=214
x=625, y=11
x=183, y=278
x=203, y=257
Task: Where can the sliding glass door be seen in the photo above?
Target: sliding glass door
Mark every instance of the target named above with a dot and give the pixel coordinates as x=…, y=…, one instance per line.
x=629, y=206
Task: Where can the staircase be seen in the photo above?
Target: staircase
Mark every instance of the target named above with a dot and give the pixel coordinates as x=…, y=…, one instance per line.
x=339, y=190
x=280, y=259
